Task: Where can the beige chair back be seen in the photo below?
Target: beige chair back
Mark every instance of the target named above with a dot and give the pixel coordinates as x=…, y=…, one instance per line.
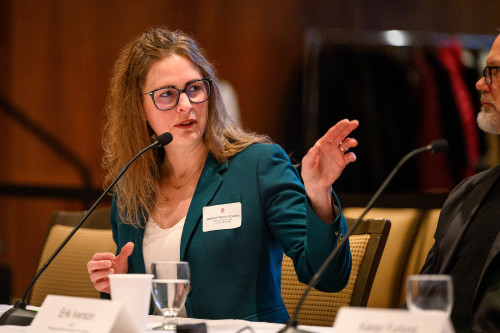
x=387, y=285
x=367, y=244
x=421, y=246
x=67, y=274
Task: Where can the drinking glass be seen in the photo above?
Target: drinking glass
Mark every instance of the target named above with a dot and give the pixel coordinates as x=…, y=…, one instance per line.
x=429, y=292
x=171, y=280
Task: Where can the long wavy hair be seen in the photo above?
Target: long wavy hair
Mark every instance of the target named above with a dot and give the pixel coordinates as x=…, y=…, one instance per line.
x=126, y=131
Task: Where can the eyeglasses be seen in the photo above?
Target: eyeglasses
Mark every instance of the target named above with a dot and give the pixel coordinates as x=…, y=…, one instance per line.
x=487, y=74
x=167, y=98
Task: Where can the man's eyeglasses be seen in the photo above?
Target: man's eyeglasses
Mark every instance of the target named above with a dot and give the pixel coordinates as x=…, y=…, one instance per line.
x=487, y=74
x=167, y=98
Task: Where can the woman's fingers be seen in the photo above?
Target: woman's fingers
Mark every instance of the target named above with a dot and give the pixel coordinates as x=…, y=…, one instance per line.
x=99, y=269
x=338, y=132
x=125, y=252
x=103, y=256
x=100, y=274
x=102, y=285
x=98, y=264
x=347, y=144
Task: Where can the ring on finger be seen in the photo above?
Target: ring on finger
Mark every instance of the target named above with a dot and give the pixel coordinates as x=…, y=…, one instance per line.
x=340, y=147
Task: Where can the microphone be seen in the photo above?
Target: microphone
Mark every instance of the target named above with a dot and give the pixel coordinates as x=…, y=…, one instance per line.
x=434, y=147
x=437, y=146
x=19, y=315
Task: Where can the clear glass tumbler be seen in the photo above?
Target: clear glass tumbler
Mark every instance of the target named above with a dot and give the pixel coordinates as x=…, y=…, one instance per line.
x=429, y=292
x=171, y=280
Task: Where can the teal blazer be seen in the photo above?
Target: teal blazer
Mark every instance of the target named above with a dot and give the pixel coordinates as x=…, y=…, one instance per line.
x=236, y=273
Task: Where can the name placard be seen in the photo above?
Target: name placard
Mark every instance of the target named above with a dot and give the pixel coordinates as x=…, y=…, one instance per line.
x=80, y=315
x=373, y=320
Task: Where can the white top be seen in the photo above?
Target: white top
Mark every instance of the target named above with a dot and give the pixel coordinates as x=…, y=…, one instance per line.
x=162, y=245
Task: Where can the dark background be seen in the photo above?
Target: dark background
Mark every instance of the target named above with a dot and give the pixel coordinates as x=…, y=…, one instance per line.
x=56, y=58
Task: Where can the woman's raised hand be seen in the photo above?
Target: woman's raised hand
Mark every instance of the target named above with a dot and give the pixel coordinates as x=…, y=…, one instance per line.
x=325, y=161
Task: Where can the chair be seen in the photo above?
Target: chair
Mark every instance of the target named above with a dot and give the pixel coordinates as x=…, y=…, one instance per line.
x=367, y=243
x=422, y=245
x=388, y=280
x=67, y=274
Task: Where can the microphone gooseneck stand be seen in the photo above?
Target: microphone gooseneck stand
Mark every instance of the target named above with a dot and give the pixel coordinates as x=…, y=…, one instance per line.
x=292, y=323
x=18, y=315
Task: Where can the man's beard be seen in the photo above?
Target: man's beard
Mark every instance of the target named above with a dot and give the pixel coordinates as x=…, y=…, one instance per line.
x=488, y=119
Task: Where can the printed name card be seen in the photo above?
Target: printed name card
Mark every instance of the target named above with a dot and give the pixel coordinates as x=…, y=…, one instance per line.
x=373, y=320
x=78, y=314
x=221, y=217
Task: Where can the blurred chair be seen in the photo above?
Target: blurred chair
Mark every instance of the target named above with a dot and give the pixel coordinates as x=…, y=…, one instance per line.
x=67, y=274
x=422, y=244
x=388, y=280
x=367, y=243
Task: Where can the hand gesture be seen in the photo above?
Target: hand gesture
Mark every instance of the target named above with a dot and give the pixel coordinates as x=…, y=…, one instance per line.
x=105, y=263
x=326, y=160
x=324, y=163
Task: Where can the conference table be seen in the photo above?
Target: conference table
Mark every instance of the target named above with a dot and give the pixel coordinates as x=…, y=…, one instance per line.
x=349, y=319
x=213, y=326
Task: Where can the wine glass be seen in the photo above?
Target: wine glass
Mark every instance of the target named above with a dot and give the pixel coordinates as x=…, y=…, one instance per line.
x=171, y=280
x=430, y=292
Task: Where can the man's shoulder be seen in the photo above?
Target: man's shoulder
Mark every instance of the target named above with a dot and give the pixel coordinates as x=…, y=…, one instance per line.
x=480, y=180
x=483, y=175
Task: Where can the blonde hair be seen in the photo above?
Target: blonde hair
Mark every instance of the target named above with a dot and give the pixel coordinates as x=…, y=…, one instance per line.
x=126, y=131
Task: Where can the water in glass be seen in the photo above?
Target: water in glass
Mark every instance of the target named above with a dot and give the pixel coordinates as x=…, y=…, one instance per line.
x=170, y=289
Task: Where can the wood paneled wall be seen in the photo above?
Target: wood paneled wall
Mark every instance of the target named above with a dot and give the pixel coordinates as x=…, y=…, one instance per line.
x=57, y=57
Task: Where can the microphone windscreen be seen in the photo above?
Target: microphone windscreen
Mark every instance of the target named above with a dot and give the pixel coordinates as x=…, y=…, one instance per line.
x=439, y=146
x=165, y=139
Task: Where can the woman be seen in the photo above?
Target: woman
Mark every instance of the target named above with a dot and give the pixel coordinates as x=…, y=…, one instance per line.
x=168, y=206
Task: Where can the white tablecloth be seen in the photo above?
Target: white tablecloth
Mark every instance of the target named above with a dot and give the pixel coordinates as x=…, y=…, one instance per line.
x=213, y=326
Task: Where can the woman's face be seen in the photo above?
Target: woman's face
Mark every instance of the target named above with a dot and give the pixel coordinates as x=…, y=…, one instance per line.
x=186, y=121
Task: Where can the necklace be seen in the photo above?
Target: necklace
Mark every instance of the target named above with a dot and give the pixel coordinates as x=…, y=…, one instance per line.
x=178, y=187
x=164, y=196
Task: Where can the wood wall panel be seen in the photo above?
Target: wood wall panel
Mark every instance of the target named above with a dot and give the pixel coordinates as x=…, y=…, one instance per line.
x=57, y=57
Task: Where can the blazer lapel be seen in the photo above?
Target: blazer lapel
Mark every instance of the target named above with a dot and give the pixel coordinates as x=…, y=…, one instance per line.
x=209, y=183
x=460, y=221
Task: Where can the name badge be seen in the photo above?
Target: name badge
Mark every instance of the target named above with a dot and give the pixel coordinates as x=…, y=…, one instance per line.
x=221, y=217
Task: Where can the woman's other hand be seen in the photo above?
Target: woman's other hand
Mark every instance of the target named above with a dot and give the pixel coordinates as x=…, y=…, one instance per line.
x=105, y=263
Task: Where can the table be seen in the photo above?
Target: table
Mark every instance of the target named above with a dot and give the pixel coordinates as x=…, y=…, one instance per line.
x=213, y=326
